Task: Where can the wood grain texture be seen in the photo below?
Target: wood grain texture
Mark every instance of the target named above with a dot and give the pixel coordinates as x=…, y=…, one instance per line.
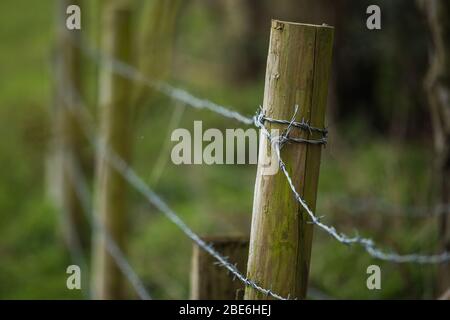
x=298, y=70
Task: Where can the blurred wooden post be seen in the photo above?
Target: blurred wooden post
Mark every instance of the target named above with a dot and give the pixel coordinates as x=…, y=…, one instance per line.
x=67, y=151
x=437, y=85
x=298, y=69
x=156, y=38
x=212, y=282
x=115, y=133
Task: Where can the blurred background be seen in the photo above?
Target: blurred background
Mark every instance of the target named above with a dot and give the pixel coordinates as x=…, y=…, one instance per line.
x=383, y=172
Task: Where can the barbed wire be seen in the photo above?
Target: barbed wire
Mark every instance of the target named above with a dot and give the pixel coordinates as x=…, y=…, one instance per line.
x=129, y=72
x=368, y=244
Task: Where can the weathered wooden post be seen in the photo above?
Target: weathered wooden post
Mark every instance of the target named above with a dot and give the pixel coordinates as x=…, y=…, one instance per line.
x=298, y=69
x=437, y=85
x=116, y=134
x=67, y=152
x=212, y=282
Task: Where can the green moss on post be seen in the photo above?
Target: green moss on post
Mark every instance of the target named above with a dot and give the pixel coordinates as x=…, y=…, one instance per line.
x=298, y=69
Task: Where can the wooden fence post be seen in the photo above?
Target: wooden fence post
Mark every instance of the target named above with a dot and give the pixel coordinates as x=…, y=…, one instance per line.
x=298, y=68
x=68, y=152
x=212, y=282
x=437, y=85
x=156, y=39
x=116, y=134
